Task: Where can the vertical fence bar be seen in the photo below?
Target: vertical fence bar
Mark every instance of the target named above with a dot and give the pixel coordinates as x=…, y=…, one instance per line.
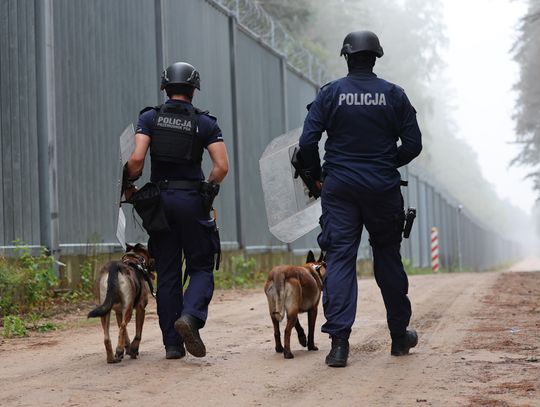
x=160, y=62
x=285, y=102
x=237, y=132
x=46, y=129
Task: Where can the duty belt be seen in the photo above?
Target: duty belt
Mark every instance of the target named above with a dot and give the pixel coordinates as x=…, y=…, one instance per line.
x=179, y=184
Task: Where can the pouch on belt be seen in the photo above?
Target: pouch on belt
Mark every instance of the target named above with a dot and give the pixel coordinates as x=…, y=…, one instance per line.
x=149, y=206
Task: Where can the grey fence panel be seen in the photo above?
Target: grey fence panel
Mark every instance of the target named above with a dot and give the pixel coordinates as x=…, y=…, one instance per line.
x=19, y=219
x=423, y=225
x=261, y=119
x=299, y=94
x=107, y=58
x=210, y=54
x=105, y=72
x=414, y=239
x=445, y=235
x=430, y=221
x=452, y=221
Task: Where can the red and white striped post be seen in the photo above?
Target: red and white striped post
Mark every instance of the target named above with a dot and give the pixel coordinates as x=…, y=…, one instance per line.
x=434, y=249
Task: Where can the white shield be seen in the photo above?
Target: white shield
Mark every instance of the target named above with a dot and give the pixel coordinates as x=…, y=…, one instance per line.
x=290, y=211
x=127, y=146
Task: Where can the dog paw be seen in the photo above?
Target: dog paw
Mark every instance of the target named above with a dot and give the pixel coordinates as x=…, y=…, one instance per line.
x=133, y=353
x=114, y=360
x=287, y=354
x=279, y=349
x=312, y=347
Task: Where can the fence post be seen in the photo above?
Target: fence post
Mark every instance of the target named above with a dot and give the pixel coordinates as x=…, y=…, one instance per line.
x=434, y=249
x=458, y=231
x=160, y=62
x=237, y=133
x=46, y=129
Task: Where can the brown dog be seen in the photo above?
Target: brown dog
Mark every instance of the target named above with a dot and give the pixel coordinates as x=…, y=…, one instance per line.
x=124, y=286
x=292, y=290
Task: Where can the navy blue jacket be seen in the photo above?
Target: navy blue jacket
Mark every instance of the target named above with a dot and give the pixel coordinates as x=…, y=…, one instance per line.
x=363, y=116
x=209, y=131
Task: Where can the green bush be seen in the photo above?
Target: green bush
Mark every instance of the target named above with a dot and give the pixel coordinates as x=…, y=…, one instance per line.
x=14, y=326
x=242, y=273
x=26, y=282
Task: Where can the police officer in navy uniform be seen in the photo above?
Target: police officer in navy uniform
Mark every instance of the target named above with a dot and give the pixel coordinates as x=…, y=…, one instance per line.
x=364, y=117
x=177, y=134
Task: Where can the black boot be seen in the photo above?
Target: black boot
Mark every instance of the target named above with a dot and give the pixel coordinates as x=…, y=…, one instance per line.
x=402, y=344
x=339, y=353
x=188, y=327
x=174, y=352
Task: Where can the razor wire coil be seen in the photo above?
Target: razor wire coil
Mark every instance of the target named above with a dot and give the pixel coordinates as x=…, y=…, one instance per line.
x=255, y=19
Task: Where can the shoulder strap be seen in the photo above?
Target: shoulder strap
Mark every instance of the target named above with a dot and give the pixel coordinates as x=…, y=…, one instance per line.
x=325, y=85
x=146, y=109
x=205, y=112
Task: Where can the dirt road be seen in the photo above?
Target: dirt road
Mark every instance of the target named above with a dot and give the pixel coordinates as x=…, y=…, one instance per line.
x=479, y=346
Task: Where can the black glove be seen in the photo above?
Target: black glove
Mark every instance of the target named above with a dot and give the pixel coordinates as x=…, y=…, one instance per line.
x=208, y=191
x=127, y=182
x=309, y=175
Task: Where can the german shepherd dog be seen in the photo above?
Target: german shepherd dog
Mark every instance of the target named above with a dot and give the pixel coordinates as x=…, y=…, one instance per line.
x=124, y=286
x=292, y=290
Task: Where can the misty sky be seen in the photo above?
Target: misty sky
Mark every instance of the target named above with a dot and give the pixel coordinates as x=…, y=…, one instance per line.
x=481, y=72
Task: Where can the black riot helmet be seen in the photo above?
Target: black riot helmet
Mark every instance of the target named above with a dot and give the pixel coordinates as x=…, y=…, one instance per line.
x=358, y=41
x=181, y=73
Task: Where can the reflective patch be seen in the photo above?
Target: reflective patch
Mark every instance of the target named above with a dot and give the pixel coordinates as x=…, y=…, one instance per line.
x=362, y=99
x=174, y=122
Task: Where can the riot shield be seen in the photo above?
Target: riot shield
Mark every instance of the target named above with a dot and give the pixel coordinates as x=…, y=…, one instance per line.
x=290, y=211
x=127, y=146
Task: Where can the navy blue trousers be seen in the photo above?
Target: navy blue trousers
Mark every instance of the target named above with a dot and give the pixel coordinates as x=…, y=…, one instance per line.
x=345, y=212
x=190, y=237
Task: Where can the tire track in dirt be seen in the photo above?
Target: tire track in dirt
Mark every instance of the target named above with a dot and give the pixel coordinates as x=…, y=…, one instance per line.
x=67, y=368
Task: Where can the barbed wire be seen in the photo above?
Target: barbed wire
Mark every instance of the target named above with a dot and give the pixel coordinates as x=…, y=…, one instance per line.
x=257, y=20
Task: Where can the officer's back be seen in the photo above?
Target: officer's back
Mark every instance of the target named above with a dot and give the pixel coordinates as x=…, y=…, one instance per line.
x=363, y=116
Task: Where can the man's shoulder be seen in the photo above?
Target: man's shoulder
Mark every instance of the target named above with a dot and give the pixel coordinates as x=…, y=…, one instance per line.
x=148, y=112
x=390, y=86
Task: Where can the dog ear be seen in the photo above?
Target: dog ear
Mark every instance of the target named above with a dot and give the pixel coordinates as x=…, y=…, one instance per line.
x=128, y=247
x=310, y=257
x=321, y=257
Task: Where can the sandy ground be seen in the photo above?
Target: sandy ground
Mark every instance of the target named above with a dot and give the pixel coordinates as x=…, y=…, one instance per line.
x=479, y=346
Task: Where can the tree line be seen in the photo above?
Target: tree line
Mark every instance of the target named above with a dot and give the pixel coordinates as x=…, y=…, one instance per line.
x=527, y=114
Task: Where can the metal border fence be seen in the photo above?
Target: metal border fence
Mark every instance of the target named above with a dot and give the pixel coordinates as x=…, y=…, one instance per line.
x=74, y=73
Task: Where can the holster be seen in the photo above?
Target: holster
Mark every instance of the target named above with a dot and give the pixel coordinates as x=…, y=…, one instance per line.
x=149, y=206
x=409, y=221
x=208, y=191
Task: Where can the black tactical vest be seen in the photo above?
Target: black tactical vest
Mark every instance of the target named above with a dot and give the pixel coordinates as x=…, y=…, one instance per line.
x=175, y=135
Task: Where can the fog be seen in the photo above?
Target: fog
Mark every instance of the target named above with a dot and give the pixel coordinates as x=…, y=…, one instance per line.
x=456, y=61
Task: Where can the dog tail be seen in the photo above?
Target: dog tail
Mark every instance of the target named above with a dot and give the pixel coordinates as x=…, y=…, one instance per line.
x=112, y=288
x=277, y=306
